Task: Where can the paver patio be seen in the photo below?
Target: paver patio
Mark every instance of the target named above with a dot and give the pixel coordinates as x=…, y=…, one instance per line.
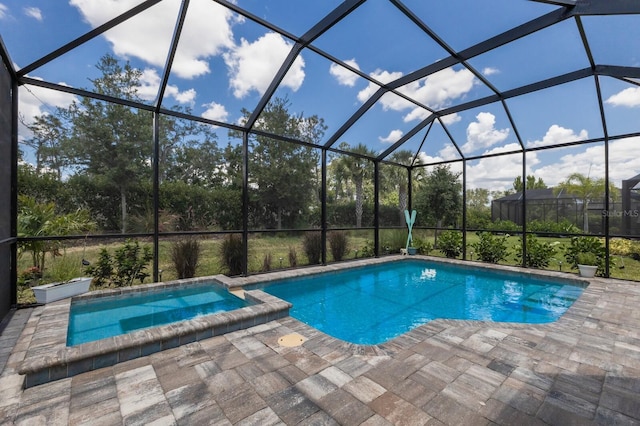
x=583, y=369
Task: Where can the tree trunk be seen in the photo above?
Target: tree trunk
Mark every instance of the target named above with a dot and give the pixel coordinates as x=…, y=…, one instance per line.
x=435, y=235
x=359, y=208
x=402, y=203
x=279, y=218
x=123, y=209
x=585, y=216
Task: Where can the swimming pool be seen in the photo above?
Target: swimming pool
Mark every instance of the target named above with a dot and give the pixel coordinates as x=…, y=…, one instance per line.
x=99, y=318
x=373, y=304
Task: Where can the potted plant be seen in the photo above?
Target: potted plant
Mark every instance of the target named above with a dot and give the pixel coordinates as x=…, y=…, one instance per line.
x=51, y=292
x=587, y=264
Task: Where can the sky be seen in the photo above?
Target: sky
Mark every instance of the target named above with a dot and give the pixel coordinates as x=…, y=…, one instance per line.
x=225, y=62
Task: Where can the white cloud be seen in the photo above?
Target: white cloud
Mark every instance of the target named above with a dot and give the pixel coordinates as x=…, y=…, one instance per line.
x=150, y=82
x=629, y=97
x=393, y=136
x=33, y=12
x=424, y=158
x=558, y=134
x=439, y=89
x=344, y=76
x=416, y=114
x=482, y=133
x=498, y=173
x=449, y=152
x=435, y=91
x=382, y=77
x=490, y=71
x=206, y=32
x=253, y=65
x=3, y=11
x=215, y=112
x=450, y=119
x=590, y=161
x=35, y=101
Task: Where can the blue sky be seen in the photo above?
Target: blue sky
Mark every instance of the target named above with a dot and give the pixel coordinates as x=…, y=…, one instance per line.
x=225, y=63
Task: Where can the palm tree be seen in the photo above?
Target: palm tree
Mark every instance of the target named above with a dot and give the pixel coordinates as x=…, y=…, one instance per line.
x=356, y=169
x=397, y=178
x=585, y=189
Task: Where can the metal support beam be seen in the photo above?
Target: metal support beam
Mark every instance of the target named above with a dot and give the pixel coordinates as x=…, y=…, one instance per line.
x=175, y=39
x=88, y=36
x=323, y=204
x=245, y=202
x=13, y=267
x=376, y=212
x=156, y=197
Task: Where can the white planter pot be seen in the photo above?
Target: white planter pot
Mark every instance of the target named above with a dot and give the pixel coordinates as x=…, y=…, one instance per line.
x=56, y=291
x=587, y=271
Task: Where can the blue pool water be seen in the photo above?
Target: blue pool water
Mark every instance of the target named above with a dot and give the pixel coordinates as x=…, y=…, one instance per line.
x=373, y=304
x=95, y=319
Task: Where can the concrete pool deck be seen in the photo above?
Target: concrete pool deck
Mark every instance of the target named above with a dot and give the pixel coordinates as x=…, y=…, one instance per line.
x=582, y=369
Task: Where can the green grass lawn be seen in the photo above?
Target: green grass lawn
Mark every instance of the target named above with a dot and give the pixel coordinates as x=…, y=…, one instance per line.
x=69, y=262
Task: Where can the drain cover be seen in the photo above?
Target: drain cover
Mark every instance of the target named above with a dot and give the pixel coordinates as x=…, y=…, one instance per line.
x=291, y=340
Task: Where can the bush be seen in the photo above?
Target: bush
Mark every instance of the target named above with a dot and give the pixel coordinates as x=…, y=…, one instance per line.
x=491, y=248
x=624, y=247
x=129, y=263
x=367, y=250
x=587, y=245
x=232, y=254
x=339, y=244
x=450, y=243
x=551, y=227
x=293, y=257
x=392, y=240
x=266, y=263
x=312, y=244
x=423, y=246
x=185, y=254
x=505, y=226
x=539, y=254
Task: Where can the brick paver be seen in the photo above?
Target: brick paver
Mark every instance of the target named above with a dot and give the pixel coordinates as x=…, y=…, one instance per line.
x=583, y=369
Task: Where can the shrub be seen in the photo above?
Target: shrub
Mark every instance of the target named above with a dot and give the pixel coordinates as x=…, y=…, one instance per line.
x=423, y=246
x=312, y=244
x=185, y=254
x=293, y=257
x=339, y=244
x=505, y=226
x=491, y=248
x=232, y=254
x=539, y=254
x=266, y=263
x=624, y=247
x=392, y=240
x=102, y=269
x=129, y=263
x=586, y=258
x=450, y=243
x=557, y=228
x=367, y=250
x=587, y=245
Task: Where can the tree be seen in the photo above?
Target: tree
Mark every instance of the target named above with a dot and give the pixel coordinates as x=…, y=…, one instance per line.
x=112, y=141
x=397, y=177
x=440, y=197
x=532, y=183
x=356, y=169
x=586, y=190
x=478, y=208
x=42, y=219
x=48, y=132
x=283, y=175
